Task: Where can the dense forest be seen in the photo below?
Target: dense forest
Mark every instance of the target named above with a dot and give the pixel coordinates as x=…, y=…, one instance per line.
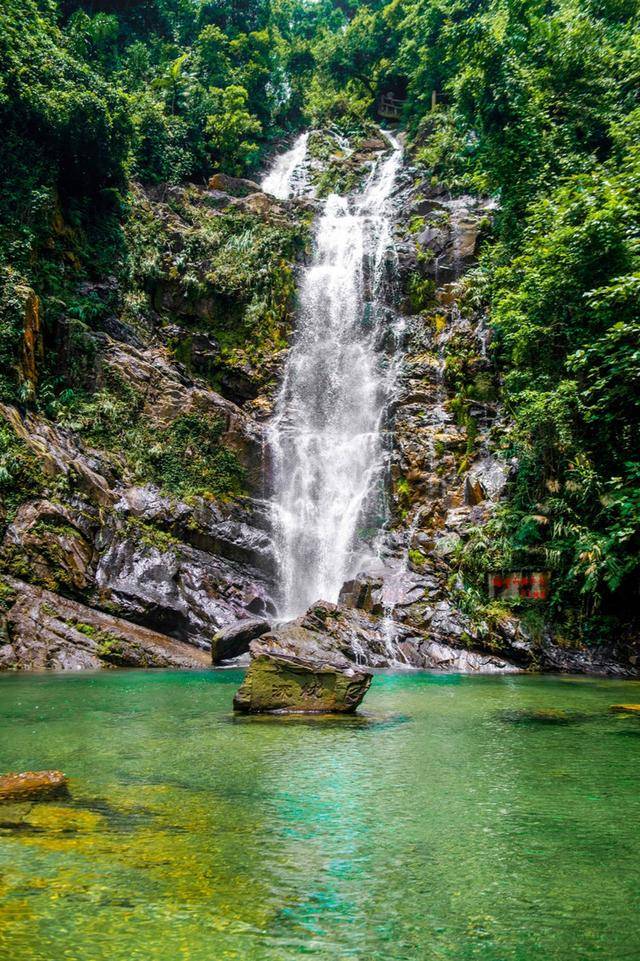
x=534, y=104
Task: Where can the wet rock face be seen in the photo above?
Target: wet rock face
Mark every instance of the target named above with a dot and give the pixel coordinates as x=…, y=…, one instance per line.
x=430, y=636
x=32, y=786
x=45, y=631
x=31, y=353
x=173, y=587
x=447, y=230
x=295, y=670
x=234, y=640
x=169, y=393
x=486, y=480
x=51, y=544
x=61, y=455
x=235, y=531
x=181, y=570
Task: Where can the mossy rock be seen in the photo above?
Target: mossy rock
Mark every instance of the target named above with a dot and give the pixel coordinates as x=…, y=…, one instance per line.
x=277, y=684
x=551, y=716
x=295, y=670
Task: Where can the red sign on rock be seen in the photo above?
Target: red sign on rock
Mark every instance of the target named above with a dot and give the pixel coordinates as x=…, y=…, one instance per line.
x=527, y=585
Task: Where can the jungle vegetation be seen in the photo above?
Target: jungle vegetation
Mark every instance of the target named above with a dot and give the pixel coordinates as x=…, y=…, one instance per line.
x=536, y=103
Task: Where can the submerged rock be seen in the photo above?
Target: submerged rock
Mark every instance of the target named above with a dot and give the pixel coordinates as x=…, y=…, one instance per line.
x=295, y=670
x=540, y=716
x=234, y=639
x=32, y=786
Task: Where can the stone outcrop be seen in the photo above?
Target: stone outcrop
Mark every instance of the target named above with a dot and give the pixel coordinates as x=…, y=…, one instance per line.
x=234, y=186
x=169, y=393
x=174, y=587
x=31, y=351
x=61, y=454
x=234, y=639
x=415, y=634
x=52, y=544
x=44, y=631
x=32, y=786
x=296, y=670
x=237, y=531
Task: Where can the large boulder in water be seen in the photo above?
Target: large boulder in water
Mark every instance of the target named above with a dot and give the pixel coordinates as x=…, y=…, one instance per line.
x=298, y=671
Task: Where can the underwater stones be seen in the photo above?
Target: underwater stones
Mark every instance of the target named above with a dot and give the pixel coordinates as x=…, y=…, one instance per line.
x=544, y=716
x=295, y=670
x=32, y=786
x=234, y=639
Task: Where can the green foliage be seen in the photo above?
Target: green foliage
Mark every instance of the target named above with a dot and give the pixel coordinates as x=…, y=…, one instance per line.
x=185, y=457
x=234, y=261
x=537, y=104
x=11, y=328
x=232, y=129
x=21, y=475
x=152, y=536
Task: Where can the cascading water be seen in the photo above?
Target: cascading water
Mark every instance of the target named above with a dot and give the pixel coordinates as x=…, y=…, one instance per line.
x=286, y=177
x=327, y=438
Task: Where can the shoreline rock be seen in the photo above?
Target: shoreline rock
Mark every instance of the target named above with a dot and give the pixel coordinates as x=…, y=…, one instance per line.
x=45, y=631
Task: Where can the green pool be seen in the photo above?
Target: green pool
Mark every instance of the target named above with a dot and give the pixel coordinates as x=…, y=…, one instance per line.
x=450, y=821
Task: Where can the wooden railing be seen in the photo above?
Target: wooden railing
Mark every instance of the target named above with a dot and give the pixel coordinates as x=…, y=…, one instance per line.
x=390, y=106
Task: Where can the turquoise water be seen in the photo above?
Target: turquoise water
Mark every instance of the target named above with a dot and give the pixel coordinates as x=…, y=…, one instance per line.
x=445, y=823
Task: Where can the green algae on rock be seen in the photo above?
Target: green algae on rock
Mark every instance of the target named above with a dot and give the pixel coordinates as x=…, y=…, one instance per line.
x=32, y=786
x=294, y=670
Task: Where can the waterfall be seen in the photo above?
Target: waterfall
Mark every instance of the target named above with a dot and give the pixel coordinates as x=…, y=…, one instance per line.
x=286, y=177
x=326, y=438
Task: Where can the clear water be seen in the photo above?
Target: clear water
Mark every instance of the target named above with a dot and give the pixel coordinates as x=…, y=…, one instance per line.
x=326, y=439
x=436, y=826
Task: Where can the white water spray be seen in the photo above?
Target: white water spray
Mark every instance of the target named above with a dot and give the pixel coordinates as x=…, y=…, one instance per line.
x=326, y=438
x=286, y=178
